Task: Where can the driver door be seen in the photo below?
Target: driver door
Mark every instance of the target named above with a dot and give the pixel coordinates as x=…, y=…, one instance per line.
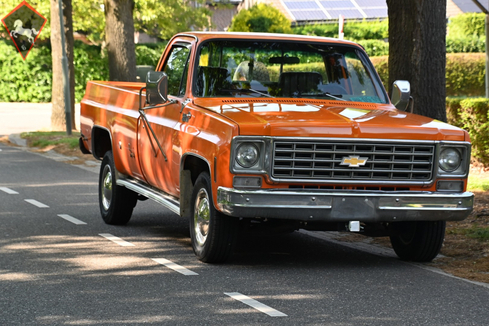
x=156, y=153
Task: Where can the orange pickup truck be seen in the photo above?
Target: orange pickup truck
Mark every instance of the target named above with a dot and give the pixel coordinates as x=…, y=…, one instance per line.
x=240, y=130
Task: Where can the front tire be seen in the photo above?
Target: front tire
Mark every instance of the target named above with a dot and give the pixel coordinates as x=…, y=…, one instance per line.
x=116, y=202
x=212, y=233
x=418, y=241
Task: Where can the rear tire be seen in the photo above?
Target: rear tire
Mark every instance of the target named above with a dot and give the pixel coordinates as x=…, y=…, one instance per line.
x=213, y=234
x=418, y=241
x=116, y=202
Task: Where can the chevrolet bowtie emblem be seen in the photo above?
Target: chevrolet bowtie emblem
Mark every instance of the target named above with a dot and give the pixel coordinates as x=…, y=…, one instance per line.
x=354, y=161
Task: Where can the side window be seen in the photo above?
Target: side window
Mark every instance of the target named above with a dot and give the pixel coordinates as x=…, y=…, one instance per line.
x=176, y=69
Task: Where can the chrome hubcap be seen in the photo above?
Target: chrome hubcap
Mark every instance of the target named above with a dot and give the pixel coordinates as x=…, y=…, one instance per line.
x=201, y=217
x=106, y=188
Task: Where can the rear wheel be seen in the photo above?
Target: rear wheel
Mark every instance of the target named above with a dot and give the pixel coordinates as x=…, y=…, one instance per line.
x=212, y=233
x=418, y=241
x=116, y=202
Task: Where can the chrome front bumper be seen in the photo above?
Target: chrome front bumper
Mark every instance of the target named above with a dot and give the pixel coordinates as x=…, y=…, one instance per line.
x=339, y=206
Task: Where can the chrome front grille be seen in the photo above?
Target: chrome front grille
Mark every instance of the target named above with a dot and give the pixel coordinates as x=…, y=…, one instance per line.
x=385, y=161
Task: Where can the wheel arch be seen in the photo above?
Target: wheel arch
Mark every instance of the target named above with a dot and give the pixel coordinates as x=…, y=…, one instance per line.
x=192, y=165
x=101, y=142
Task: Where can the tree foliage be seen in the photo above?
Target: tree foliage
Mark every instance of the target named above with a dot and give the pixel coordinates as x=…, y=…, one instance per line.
x=261, y=18
x=154, y=17
x=165, y=18
x=159, y=18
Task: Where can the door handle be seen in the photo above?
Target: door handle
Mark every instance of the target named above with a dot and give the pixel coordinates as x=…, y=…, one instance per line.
x=186, y=117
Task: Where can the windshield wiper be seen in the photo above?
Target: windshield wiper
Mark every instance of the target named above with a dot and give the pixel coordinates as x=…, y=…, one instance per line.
x=245, y=90
x=336, y=96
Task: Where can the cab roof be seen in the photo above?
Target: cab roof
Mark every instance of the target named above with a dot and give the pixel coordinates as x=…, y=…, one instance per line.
x=202, y=36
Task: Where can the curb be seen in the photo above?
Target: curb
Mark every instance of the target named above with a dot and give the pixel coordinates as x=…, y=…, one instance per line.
x=88, y=165
x=15, y=139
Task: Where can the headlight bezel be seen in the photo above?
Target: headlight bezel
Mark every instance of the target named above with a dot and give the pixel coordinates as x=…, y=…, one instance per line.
x=259, y=166
x=463, y=151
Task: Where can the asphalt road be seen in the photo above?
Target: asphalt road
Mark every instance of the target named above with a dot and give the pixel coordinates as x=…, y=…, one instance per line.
x=61, y=265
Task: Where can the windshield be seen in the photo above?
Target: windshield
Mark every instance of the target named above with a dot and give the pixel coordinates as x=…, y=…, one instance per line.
x=285, y=69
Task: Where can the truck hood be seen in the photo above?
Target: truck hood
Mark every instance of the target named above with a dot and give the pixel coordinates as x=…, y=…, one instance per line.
x=330, y=119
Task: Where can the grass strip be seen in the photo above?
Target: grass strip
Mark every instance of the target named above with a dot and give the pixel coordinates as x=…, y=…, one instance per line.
x=51, y=138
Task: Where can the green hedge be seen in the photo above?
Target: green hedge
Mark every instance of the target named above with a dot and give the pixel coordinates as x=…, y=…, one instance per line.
x=465, y=73
x=453, y=111
x=375, y=48
x=466, y=44
x=473, y=116
x=376, y=30
x=31, y=80
x=25, y=81
x=460, y=26
x=467, y=25
x=89, y=65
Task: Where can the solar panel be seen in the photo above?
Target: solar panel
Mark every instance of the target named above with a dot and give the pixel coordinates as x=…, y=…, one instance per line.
x=347, y=13
x=292, y=5
x=309, y=10
x=377, y=13
x=371, y=3
x=337, y=4
x=309, y=15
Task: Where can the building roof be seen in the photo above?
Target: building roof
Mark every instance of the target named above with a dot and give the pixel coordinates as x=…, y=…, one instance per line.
x=466, y=6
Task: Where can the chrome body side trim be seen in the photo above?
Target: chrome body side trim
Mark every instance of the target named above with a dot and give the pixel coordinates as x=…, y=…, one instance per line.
x=344, y=206
x=160, y=197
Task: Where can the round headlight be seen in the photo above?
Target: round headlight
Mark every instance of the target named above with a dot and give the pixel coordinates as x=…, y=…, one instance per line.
x=450, y=159
x=247, y=155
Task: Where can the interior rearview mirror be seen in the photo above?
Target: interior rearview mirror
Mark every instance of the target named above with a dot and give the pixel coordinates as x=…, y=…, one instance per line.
x=156, y=87
x=401, y=94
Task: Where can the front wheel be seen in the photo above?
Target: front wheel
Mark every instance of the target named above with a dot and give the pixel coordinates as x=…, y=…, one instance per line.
x=418, y=241
x=212, y=233
x=116, y=202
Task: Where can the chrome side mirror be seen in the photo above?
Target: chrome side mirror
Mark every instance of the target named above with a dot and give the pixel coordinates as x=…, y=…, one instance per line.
x=156, y=87
x=401, y=94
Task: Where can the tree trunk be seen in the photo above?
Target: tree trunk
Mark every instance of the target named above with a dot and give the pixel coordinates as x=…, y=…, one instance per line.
x=119, y=36
x=58, y=115
x=417, y=52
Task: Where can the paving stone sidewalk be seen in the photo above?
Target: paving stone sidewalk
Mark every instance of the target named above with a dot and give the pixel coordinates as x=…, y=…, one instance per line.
x=16, y=118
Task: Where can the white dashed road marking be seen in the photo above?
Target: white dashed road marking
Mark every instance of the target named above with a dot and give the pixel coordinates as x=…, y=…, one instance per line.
x=9, y=191
x=255, y=304
x=36, y=203
x=175, y=267
x=117, y=240
x=71, y=219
